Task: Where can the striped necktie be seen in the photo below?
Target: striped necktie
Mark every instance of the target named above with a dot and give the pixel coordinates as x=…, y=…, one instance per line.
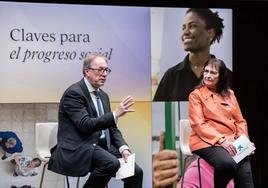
x=106, y=131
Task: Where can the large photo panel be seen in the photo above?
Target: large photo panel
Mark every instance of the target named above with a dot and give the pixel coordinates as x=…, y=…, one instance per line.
x=45, y=44
x=168, y=50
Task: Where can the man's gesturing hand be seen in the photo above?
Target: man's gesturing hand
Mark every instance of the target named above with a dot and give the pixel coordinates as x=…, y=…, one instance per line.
x=123, y=107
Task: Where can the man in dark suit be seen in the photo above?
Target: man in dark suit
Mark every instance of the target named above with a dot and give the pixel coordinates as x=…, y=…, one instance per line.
x=88, y=139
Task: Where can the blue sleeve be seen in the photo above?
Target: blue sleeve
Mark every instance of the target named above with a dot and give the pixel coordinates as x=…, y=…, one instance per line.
x=18, y=148
x=7, y=134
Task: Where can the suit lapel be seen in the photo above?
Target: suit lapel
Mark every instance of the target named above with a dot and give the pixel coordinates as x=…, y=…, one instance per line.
x=87, y=94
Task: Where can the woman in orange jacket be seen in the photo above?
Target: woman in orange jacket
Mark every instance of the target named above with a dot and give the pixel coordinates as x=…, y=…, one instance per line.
x=216, y=121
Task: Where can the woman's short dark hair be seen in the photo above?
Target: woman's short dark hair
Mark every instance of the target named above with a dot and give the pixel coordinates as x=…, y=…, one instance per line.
x=38, y=161
x=212, y=20
x=223, y=81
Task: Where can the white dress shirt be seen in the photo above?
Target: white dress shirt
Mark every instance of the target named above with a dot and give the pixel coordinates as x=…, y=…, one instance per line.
x=91, y=89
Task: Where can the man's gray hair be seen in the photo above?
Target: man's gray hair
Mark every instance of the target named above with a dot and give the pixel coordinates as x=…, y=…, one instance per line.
x=89, y=58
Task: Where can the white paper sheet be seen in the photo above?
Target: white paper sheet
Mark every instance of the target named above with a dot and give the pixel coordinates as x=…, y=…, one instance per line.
x=243, y=147
x=126, y=169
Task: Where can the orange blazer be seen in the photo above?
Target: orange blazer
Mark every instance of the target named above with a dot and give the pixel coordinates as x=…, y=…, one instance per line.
x=213, y=117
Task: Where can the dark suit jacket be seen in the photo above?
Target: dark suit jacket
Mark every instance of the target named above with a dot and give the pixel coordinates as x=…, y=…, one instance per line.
x=79, y=131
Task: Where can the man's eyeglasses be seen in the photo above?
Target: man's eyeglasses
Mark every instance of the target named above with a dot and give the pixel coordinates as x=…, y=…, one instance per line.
x=102, y=70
